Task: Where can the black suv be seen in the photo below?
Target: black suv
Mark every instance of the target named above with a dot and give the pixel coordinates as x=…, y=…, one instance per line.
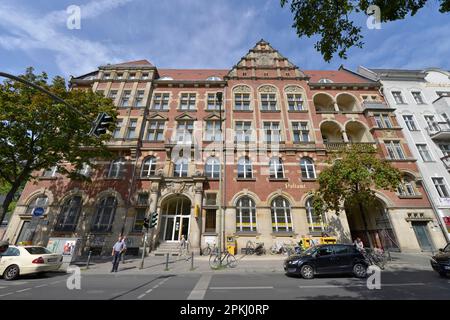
x=441, y=261
x=327, y=259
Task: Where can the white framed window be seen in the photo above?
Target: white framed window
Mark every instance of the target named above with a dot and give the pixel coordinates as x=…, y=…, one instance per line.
x=125, y=102
x=268, y=102
x=181, y=168
x=441, y=187
x=383, y=120
x=300, y=132
x=187, y=101
x=417, y=95
x=272, y=132
x=242, y=101
x=245, y=169
x=161, y=101
x=281, y=215
x=276, y=168
x=116, y=133
x=406, y=187
x=131, y=130
x=116, y=168
x=398, y=97
x=185, y=129
x=104, y=215
x=307, y=168
x=145, y=76
x=68, y=216
x=295, y=102
x=148, y=167
x=433, y=126
x=394, y=150
x=245, y=215
x=119, y=76
x=325, y=80
x=410, y=123
x=139, y=101
x=243, y=131
x=132, y=76
x=212, y=102
x=424, y=152
x=212, y=168
x=445, y=148
x=316, y=222
x=155, y=130
x=113, y=95
x=212, y=130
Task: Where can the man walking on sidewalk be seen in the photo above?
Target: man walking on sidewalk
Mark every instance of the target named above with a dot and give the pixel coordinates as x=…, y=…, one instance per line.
x=117, y=251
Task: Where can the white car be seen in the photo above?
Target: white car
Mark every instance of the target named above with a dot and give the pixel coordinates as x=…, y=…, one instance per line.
x=18, y=260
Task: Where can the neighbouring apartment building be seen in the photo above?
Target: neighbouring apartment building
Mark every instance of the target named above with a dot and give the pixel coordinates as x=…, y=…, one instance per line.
x=421, y=99
x=280, y=125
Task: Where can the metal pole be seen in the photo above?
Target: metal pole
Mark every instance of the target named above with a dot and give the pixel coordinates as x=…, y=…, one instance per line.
x=143, y=250
x=192, y=260
x=220, y=184
x=167, y=262
x=88, y=259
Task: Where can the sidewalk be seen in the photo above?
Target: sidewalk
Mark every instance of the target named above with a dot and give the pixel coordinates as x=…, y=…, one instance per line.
x=246, y=264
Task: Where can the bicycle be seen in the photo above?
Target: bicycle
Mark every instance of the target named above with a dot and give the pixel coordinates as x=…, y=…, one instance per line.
x=250, y=247
x=208, y=250
x=375, y=258
x=215, y=260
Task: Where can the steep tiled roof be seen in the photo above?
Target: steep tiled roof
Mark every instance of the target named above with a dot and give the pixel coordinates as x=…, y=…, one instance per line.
x=192, y=74
x=338, y=76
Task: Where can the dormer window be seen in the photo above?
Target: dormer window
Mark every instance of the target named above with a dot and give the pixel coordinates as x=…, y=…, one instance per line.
x=214, y=78
x=132, y=76
x=166, y=78
x=325, y=80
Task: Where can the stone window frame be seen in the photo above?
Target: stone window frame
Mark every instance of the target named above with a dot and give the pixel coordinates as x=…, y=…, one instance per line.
x=189, y=93
x=291, y=124
x=269, y=89
x=162, y=93
x=295, y=89
x=243, y=89
x=147, y=128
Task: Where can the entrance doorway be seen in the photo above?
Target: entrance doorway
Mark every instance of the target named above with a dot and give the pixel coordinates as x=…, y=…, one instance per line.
x=372, y=225
x=421, y=231
x=175, y=215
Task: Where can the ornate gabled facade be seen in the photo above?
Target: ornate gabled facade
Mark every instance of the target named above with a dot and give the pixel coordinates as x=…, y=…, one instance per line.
x=280, y=124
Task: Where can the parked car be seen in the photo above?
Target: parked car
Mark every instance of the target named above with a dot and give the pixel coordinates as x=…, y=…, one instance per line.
x=440, y=262
x=18, y=260
x=327, y=259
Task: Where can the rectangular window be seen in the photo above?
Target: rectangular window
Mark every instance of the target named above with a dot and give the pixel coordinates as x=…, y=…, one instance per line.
x=300, y=131
x=394, y=149
x=107, y=76
x=418, y=97
x=113, y=95
x=272, y=132
x=441, y=187
x=410, y=123
x=139, y=220
x=116, y=133
x=242, y=101
x=185, y=131
x=445, y=148
x=295, y=102
x=119, y=76
x=187, y=101
x=212, y=130
x=268, y=101
x=155, y=131
x=139, y=101
x=144, y=76
x=211, y=199
x=132, y=76
x=433, y=126
x=142, y=199
x=424, y=153
x=210, y=220
x=398, y=97
x=161, y=101
x=126, y=99
x=243, y=131
x=212, y=103
x=383, y=120
x=131, y=130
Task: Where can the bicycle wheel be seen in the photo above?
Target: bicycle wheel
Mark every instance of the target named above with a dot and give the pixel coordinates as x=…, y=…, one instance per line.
x=231, y=261
x=250, y=247
x=214, y=261
x=206, y=251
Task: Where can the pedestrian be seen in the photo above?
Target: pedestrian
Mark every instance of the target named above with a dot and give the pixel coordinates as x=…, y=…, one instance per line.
x=359, y=244
x=124, y=240
x=183, y=247
x=116, y=253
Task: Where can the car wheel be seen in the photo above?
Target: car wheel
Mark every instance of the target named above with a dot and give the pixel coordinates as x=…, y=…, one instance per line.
x=359, y=270
x=307, y=271
x=11, y=273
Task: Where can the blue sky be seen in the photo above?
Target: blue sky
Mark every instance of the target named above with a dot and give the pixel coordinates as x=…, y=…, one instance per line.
x=197, y=34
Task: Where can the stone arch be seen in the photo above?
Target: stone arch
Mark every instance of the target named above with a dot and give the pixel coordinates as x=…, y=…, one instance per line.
x=348, y=102
x=165, y=197
x=72, y=193
x=267, y=88
x=106, y=193
x=281, y=193
x=331, y=131
x=357, y=131
x=36, y=193
x=323, y=102
x=243, y=193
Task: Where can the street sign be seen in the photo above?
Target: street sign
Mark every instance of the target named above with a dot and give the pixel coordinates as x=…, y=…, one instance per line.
x=38, y=211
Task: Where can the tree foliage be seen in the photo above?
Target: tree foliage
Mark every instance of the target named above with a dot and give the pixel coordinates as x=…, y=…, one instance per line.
x=332, y=20
x=37, y=132
x=352, y=178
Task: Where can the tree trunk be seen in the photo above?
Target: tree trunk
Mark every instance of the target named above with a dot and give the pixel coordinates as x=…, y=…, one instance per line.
x=361, y=209
x=9, y=198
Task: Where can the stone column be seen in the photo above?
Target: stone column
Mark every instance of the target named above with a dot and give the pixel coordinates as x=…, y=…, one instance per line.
x=336, y=107
x=344, y=136
x=195, y=231
x=154, y=192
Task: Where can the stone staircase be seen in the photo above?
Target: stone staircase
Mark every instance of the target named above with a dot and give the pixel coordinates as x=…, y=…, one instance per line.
x=172, y=248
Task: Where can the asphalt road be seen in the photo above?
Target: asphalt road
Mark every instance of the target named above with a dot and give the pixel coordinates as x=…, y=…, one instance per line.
x=412, y=284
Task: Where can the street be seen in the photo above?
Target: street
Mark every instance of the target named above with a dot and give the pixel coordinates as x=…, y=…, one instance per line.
x=267, y=283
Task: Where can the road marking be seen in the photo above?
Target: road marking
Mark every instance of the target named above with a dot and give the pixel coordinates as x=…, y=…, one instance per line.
x=148, y=291
x=42, y=285
x=361, y=285
x=199, y=291
x=154, y=287
x=6, y=294
x=141, y=296
x=240, y=288
x=55, y=282
x=23, y=290
x=2, y=287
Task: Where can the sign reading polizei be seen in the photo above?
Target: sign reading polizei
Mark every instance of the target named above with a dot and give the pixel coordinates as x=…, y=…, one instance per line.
x=38, y=211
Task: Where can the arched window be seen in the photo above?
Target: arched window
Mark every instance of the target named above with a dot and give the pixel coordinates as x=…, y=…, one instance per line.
x=316, y=222
x=406, y=188
x=68, y=217
x=212, y=168
x=276, y=168
x=148, y=167
x=325, y=80
x=307, y=168
x=245, y=215
x=181, y=168
x=116, y=168
x=38, y=202
x=245, y=170
x=281, y=215
x=104, y=215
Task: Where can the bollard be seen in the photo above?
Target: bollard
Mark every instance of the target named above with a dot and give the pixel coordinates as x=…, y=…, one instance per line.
x=88, y=260
x=192, y=260
x=167, y=262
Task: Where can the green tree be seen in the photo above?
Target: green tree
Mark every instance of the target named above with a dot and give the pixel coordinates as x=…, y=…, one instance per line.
x=37, y=133
x=332, y=21
x=351, y=179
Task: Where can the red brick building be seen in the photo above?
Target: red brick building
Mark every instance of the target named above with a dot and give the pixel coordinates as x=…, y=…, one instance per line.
x=280, y=125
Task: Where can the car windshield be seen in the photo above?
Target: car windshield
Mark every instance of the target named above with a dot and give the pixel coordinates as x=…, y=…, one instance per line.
x=310, y=251
x=37, y=250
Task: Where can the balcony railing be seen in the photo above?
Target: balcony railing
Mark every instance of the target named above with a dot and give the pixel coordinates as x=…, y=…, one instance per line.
x=439, y=130
x=340, y=146
x=374, y=105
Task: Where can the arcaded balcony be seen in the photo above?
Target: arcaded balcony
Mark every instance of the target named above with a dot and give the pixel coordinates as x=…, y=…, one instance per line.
x=358, y=133
x=324, y=103
x=347, y=103
x=331, y=133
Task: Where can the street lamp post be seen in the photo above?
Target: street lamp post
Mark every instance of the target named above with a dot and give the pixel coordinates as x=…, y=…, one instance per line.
x=219, y=97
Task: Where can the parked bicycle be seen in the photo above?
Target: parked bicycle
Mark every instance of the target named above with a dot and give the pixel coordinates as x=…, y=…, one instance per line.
x=208, y=250
x=376, y=257
x=215, y=260
x=286, y=248
x=252, y=248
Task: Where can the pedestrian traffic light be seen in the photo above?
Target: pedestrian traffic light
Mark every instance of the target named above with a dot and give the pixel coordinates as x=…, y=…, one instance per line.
x=154, y=219
x=146, y=222
x=102, y=124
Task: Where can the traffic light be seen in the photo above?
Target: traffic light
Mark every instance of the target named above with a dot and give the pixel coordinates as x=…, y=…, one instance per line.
x=146, y=221
x=154, y=219
x=102, y=124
